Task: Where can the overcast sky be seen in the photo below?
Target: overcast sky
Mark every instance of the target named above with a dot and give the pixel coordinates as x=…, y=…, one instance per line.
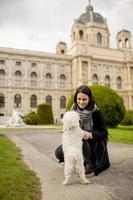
x=41, y=24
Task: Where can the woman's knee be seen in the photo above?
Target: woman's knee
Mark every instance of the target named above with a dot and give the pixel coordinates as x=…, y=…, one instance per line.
x=59, y=153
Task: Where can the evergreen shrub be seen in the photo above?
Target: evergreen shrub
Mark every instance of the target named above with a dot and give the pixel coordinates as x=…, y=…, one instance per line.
x=128, y=119
x=45, y=114
x=30, y=118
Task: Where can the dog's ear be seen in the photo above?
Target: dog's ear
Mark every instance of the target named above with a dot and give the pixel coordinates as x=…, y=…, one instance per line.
x=67, y=121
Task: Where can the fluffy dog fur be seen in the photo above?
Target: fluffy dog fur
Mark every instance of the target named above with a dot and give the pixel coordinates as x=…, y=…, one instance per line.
x=72, y=148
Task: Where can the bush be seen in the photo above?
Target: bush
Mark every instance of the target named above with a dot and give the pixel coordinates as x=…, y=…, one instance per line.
x=30, y=118
x=70, y=102
x=109, y=102
x=45, y=114
x=128, y=119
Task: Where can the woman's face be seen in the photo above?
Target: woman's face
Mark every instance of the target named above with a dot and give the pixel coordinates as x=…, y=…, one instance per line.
x=82, y=100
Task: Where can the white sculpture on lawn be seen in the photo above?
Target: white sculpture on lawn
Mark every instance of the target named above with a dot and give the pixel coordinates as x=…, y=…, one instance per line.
x=15, y=120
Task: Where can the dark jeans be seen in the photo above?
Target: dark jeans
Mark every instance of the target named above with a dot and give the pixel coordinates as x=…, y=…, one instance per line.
x=86, y=152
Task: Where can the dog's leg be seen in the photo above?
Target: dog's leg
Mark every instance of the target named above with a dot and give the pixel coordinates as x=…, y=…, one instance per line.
x=68, y=173
x=67, y=180
x=80, y=170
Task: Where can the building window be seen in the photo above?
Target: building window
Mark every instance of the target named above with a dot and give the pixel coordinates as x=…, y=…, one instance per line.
x=49, y=99
x=119, y=82
x=33, y=101
x=18, y=63
x=62, y=81
x=131, y=74
x=126, y=43
x=2, y=62
x=99, y=38
x=17, y=100
x=33, y=64
x=18, y=78
x=81, y=34
x=2, y=77
x=62, y=51
x=63, y=102
x=94, y=79
x=84, y=70
x=33, y=80
x=120, y=44
x=2, y=100
x=48, y=80
x=73, y=35
x=107, y=80
x=132, y=102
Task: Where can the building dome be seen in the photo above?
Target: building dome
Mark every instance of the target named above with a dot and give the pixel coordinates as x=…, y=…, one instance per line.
x=124, y=31
x=91, y=16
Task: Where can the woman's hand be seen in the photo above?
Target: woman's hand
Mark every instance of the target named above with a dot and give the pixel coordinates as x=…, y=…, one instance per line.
x=87, y=135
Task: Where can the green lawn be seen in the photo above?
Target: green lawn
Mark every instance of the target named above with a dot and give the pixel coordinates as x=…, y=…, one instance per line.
x=17, y=181
x=122, y=134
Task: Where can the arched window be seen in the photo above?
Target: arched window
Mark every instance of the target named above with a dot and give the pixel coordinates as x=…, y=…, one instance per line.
x=62, y=51
x=2, y=77
x=63, y=102
x=33, y=80
x=18, y=78
x=33, y=101
x=62, y=81
x=107, y=80
x=99, y=38
x=119, y=82
x=81, y=33
x=49, y=99
x=120, y=44
x=94, y=79
x=48, y=80
x=2, y=100
x=17, y=100
x=126, y=43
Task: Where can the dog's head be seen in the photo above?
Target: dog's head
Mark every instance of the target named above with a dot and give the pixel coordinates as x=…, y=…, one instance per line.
x=70, y=120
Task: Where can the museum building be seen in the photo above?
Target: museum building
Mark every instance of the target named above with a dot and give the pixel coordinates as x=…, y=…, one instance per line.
x=29, y=78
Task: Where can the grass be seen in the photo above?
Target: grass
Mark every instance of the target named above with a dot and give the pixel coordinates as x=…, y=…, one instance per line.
x=17, y=181
x=123, y=134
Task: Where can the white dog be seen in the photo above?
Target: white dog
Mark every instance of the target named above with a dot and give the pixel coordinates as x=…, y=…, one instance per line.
x=72, y=147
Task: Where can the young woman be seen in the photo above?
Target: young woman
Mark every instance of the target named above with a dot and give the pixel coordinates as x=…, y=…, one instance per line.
x=95, y=132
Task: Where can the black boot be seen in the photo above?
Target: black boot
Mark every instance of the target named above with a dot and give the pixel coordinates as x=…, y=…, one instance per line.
x=89, y=169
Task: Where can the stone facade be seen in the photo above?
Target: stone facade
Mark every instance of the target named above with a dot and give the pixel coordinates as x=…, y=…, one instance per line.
x=28, y=78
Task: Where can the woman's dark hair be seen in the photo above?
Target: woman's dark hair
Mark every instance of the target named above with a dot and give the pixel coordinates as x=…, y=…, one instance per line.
x=86, y=90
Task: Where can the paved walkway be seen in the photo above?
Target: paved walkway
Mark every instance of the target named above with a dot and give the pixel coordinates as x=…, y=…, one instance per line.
x=38, y=147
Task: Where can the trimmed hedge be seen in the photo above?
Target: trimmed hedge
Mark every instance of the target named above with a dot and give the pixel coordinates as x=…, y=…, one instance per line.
x=30, y=118
x=128, y=119
x=45, y=114
x=109, y=102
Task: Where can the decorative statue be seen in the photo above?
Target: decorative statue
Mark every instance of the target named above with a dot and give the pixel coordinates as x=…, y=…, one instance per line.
x=15, y=120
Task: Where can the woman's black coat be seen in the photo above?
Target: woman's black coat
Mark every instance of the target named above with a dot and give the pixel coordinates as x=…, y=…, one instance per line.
x=98, y=143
